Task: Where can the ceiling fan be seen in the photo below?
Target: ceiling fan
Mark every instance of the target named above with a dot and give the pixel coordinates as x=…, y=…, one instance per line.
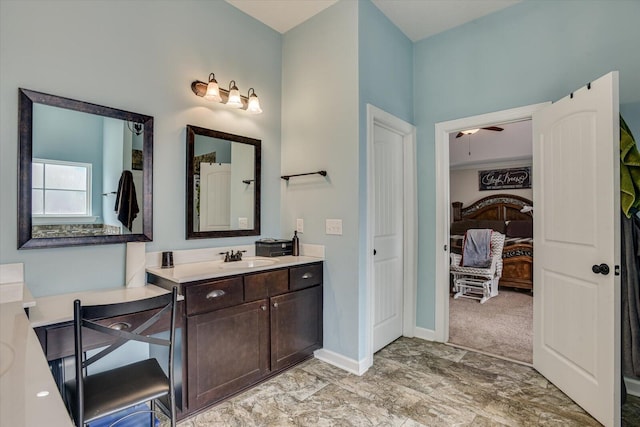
x=472, y=131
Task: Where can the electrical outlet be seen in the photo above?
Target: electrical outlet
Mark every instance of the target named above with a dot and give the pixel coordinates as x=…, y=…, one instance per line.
x=243, y=223
x=300, y=225
x=333, y=226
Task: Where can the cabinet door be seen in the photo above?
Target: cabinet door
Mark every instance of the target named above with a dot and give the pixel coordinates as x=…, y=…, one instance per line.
x=296, y=326
x=228, y=349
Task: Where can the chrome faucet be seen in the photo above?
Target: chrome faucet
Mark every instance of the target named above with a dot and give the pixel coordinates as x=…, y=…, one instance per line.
x=231, y=257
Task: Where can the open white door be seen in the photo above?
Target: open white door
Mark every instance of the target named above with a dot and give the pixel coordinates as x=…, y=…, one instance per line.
x=576, y=233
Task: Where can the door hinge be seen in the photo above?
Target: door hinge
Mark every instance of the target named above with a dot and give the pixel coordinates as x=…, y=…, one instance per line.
x=616, y=270
x=445, y=248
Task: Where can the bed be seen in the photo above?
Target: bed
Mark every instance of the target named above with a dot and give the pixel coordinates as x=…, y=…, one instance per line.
x=500, y=212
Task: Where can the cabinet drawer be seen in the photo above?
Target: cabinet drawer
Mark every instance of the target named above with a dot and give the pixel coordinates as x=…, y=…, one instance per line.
x=263, y=285
x=58, y=340
x=213, y=295
x=305, y=276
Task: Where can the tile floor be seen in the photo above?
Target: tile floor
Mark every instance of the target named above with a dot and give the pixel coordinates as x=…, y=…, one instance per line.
x=411, y=383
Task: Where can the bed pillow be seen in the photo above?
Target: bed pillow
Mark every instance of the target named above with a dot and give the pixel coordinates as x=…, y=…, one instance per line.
x=495, y=225
x=460, y=227
x=520, y=228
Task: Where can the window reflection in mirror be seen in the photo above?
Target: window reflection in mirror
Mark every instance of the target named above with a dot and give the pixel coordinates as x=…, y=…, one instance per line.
x=223, y=184
x=85, y=173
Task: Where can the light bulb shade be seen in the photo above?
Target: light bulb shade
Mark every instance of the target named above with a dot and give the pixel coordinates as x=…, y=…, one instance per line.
x=253, y=106
x=469, y=131
x=234, y=100
x=213, y=91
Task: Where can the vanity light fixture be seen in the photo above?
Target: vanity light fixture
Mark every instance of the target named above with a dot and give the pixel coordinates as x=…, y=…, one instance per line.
x=234, y=100
x=253, y=106
x=211, y=91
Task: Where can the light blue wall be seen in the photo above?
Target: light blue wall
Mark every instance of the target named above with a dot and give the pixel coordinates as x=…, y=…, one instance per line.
x=333, y=65
x=631, y=114
x=61, y=134
x=137, y=56
x=206, y=144
x=532, y=52
x=320, y=131
x=385, y=78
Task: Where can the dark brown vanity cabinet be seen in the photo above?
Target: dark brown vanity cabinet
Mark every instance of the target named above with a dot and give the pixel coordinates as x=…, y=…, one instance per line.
x=255, y=325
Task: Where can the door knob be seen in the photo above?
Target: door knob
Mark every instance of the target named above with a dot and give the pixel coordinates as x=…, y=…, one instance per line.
x=601, y=269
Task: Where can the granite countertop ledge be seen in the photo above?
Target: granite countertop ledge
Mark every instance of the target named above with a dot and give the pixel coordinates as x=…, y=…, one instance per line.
x=191, y=272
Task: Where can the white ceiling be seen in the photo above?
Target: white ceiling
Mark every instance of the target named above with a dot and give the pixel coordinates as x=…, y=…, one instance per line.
x=417, y=19
x=513, y=144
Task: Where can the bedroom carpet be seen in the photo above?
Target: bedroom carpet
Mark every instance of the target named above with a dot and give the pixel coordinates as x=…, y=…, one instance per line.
x=502, y=326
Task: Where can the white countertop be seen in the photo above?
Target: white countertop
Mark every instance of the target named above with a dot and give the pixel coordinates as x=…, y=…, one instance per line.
x=189, y=272
x=59, y=308
x=24, y=371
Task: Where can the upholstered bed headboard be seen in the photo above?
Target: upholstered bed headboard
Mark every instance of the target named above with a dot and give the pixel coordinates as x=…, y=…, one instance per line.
x=498, y=207
x=500, y=212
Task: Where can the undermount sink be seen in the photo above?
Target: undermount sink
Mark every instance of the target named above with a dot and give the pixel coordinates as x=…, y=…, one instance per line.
x=249, y=263
x=201, y=270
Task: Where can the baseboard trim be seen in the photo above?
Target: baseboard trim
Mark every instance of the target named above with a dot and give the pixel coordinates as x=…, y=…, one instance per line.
x=425, y=334
x=633, y=386
x=350, y=365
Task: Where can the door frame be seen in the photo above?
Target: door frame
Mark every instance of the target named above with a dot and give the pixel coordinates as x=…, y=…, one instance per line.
x=376, y=116
x=443, y=202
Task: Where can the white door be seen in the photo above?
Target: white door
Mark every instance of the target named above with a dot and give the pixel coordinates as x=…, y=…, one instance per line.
x=215, y=196
x=388, y=236
x=577, y=226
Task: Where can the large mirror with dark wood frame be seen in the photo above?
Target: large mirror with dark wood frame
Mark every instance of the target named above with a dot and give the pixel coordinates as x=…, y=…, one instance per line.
x=85, y=173
x=223, y=184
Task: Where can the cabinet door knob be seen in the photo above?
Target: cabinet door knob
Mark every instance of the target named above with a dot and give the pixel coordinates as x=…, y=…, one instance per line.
x=263, y=307
x=215, y=294
x=275, y=305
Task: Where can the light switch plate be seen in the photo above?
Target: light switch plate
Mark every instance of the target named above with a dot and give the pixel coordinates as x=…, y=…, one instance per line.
x=300, y=225
x=243, y=223
x=333, y=226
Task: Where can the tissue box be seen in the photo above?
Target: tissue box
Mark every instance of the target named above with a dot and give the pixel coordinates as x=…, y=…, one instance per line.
x=273, y=247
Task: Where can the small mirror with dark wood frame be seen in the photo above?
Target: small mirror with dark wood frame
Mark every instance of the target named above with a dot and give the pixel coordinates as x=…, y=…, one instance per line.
x=223, y=184
x=85, y=173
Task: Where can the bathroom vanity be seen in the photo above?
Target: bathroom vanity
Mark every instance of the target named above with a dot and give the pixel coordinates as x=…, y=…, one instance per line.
x=243, y=324
x=240, y=323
